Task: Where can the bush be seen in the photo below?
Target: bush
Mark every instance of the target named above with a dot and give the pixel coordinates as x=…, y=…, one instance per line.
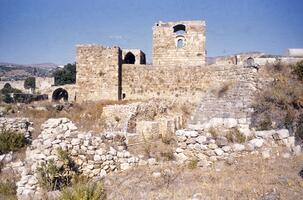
x=67, y=75
x=299, y=127
x=193, y=164
x=84, y=190
x=298, y=70
x=54, y=176
x=11, y=141
x=168, y=155
x=30, y=83
x=279, y=103
x=7, y=89
x=8, y=189
x=235, y=136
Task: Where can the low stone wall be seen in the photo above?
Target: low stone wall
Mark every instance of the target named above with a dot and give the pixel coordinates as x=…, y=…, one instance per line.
x=20, y=125
x=206, y=148
x=94, y=155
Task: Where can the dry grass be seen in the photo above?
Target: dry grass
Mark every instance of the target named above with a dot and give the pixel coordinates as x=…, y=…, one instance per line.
x=251, y=178
x=279, y=103
x=8, y=185
x=162, y=150
x=87, y=116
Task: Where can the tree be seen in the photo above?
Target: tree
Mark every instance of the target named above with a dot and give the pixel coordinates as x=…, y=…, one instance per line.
x=30, y=83
x=6, y=91
x=67, y=75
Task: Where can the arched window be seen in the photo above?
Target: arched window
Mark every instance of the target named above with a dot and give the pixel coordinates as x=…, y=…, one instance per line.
x=180, y=43
x=59, y=94
x=250, y=62
x=129, y=58
x=179, y=29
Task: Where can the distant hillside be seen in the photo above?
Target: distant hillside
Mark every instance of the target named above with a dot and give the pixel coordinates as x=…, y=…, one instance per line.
x=12, y=71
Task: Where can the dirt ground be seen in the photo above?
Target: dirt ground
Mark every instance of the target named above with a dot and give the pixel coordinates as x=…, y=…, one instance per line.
x=249, y=178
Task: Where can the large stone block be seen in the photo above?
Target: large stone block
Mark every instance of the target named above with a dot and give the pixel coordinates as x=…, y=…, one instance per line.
x=147, y=129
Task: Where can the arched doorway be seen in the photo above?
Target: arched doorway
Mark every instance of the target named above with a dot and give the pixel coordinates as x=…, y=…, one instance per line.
x=250, y=62
x=59, y=94
x=129, y=58
x=179, y=29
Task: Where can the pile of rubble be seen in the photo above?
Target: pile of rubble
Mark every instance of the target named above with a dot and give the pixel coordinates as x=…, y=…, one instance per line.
x=18, y=125
x=208, y=148
x=94, y=155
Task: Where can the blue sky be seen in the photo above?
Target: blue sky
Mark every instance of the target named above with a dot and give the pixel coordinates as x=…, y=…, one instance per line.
x=35, y=31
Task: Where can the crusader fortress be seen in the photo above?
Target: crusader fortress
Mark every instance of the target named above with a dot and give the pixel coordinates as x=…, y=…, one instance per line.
x=178, y=72
x=222, y=88
x=114, y=73
x=179, y=113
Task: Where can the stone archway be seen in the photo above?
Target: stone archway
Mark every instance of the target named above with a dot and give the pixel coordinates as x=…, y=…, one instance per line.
x=59, y=94
x=129, y=58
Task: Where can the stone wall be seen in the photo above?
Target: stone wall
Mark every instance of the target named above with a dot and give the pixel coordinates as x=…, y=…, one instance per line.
x=15, y=84
x=94, y=155
x=43, y=83
x=165, y=42
x=139, y=55
x=19, y=125
x=145, y=82
x=97, y=72
x=220, y=91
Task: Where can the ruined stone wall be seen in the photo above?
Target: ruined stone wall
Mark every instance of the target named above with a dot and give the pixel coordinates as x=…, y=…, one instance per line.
x=220, y=91
x=15, y=84
x=165, y=51
x=97, y=72
x=43, y=83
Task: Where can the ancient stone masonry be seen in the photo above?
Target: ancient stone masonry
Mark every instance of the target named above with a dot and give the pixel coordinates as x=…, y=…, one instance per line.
x=98, y=72
x=19, y=125
x=179, y=43
x=133, y=56
x=94, y=155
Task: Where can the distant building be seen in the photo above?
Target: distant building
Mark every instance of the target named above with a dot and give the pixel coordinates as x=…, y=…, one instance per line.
x=295, y=52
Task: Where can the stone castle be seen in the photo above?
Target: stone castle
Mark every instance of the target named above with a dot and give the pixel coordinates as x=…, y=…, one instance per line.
x=114, y=73
x=223, y=89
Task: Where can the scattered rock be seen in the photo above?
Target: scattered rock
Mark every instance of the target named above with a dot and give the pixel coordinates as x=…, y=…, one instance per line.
x=238, y=147
x=156, y=174
x=281, y=134
x=124, y=166
x=257, y=142
x=266, y=154
x=221, y=141
x=219, y=152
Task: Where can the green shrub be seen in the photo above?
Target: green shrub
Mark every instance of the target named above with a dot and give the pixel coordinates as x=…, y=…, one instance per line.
x=213, y=132
x=168, y=155
x=299, y=128
x=11, y=141
x=279, y=103
x=67, y=75
x=235, y=136
x=84, y=190
x=54, y=176
x=8, y=189
x=298, y=70
x=193, y=164
x=265, y=123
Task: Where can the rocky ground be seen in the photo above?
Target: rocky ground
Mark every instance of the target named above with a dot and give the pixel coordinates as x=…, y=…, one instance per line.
x=249, y=177
x=146, y=151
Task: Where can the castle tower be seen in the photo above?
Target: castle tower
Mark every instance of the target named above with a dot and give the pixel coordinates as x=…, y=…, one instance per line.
x=98, y=73
x=179, y=43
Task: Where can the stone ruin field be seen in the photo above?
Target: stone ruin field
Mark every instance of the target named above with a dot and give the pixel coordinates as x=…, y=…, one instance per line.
x=145, y=150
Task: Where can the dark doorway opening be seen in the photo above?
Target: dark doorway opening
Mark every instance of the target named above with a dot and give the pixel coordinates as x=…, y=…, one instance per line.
x=129, y=58
x=59, y=94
